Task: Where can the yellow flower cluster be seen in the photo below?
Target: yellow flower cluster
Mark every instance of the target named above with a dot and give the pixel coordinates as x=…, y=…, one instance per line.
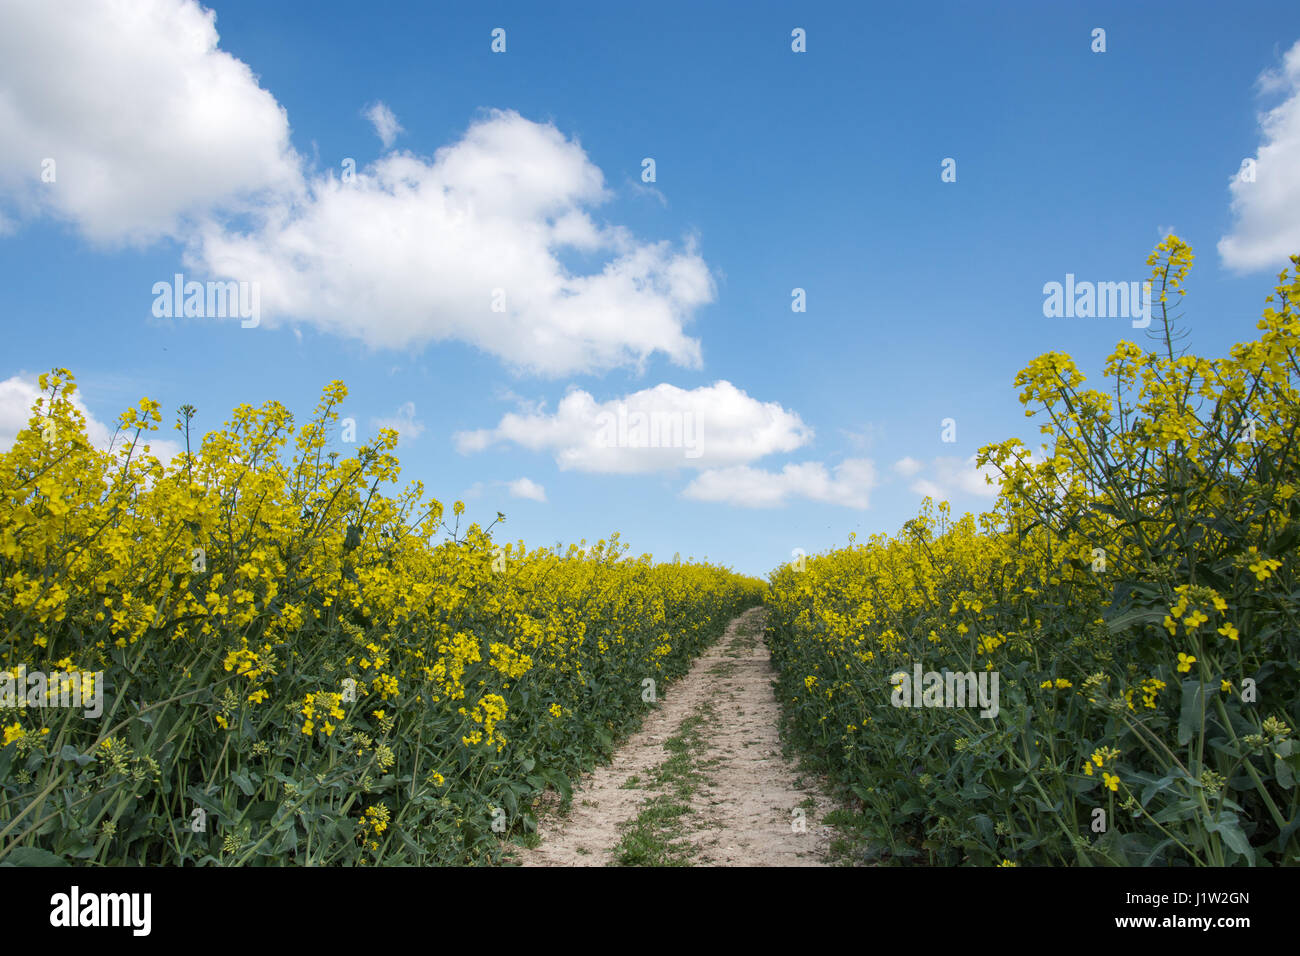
x=1146, y=550
x=372, y=825
x=280, y=594
x=321, y=707
x=488, y=712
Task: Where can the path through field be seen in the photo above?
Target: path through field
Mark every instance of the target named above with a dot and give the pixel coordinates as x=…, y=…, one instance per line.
x=703, y=783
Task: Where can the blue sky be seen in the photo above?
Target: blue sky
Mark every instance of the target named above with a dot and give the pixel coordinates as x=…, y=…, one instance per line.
x=216, y=149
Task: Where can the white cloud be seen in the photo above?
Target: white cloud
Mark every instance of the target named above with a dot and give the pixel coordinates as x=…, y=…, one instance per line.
x=519, y=488
x=644, y=189
x=403, y=422
x=1266, y=212
x=907, y=467
x=148, y=123
x=707, y=427
x=946, y=477
x=849, y=485
x=926, y=488
x=158, y=133
x=17, y=396
x=468, y=246
x=19, y=393
x=526, y=488
x=863, y=439
x=384, y=122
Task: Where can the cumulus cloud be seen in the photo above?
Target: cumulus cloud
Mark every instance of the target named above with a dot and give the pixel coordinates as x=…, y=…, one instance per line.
x=156, y=133
x=907, y=467
x=403, y=422
x=526, y=488
x=519, y=488
x=19, y=393
x=468, y=246
x=945, y=478
x=848, y=485
x=384, y=122
x=657, y=429
x=148, y=124
x=1266, y=212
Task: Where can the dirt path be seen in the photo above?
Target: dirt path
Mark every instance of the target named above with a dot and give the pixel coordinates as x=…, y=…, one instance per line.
x=702, y=783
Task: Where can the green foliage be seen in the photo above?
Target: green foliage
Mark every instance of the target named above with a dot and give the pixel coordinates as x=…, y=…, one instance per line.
x=1136, y=590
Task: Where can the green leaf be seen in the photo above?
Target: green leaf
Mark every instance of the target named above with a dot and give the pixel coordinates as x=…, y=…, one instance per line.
x=71, y=753
x=1230, y=830
x=32, y=856
x=261, y=811
x=561, y=783
x=1144, y=615
x=288, y=841
x=1286, y=764
x=1189, y=719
